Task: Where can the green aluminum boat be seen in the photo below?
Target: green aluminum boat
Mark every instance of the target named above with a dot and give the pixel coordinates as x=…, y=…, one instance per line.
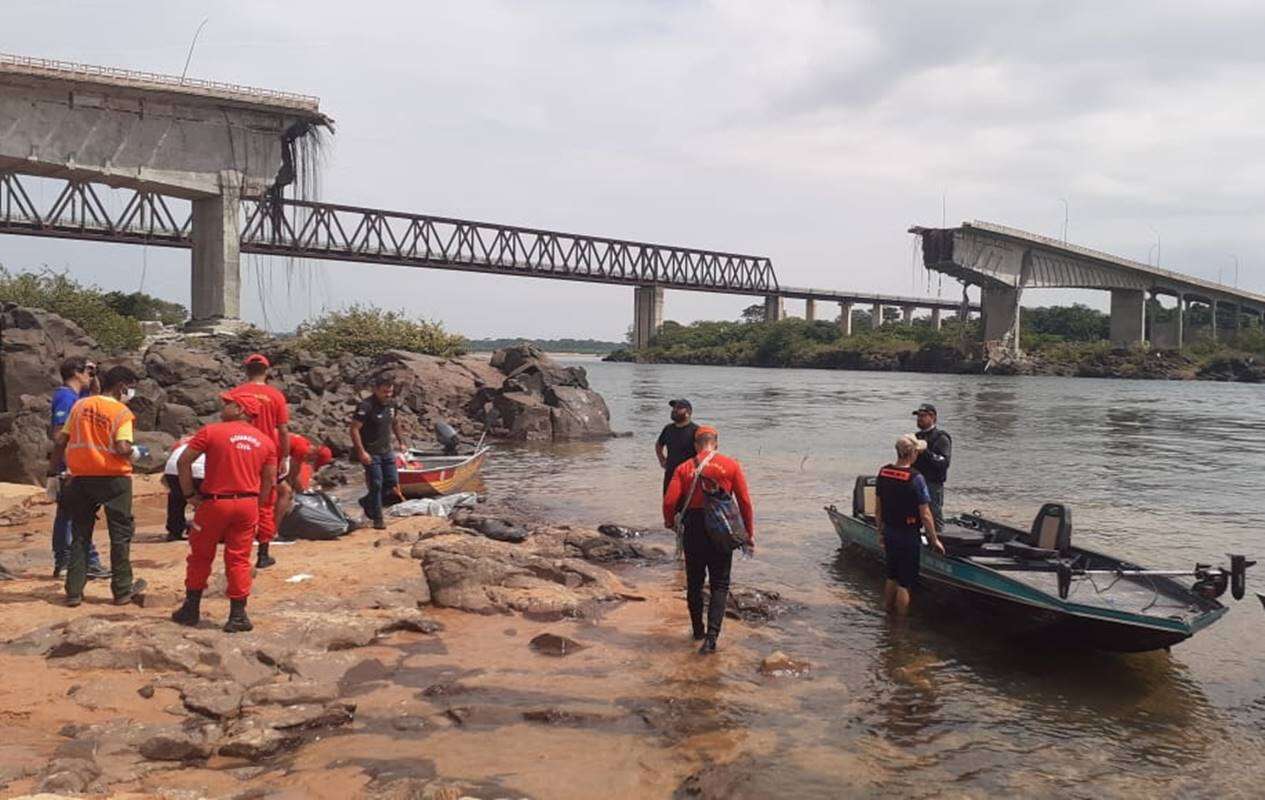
x=1035, y=583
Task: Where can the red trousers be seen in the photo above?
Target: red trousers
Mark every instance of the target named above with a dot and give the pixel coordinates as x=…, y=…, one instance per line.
x=233, y=523
x=266, y=529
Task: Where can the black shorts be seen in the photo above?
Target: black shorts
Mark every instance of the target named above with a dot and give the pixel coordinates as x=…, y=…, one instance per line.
x=902, y=549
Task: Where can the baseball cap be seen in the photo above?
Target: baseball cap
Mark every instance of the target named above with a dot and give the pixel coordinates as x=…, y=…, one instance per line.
x=257, y=358
x=249, y=403
x=925, y=408
x=682, y=402
x=324, y=456
x=705, y=430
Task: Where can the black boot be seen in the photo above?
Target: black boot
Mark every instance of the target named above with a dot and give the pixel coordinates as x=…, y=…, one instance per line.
x=699, y=630
x=190, y=612
x=238, y=622
x=708, y=647
x=262, y=559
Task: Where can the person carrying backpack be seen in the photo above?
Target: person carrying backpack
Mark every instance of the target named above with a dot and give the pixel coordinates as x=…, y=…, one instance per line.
x=707, y=502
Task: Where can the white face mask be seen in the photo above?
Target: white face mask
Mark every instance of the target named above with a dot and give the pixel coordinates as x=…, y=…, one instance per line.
x=128, y=395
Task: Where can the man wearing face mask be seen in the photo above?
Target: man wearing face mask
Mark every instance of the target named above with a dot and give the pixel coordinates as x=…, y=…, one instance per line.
x=96, y=447
x=676, y=443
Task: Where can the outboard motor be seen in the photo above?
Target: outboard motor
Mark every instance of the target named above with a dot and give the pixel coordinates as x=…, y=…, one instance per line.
x=447, y=438
x=1238, y=575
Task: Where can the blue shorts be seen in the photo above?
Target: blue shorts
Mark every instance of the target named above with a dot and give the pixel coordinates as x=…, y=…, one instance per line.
x=902, y=551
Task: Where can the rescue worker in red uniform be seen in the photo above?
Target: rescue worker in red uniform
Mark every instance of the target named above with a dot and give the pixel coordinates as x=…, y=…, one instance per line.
x=305, y=460
x=241, y=468
x=274, y=420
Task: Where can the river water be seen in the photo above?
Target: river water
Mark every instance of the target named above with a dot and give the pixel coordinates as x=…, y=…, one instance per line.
x=1164, y=473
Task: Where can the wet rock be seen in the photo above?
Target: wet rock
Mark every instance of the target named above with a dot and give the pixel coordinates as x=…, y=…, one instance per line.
x=294, y=692
x=525, y=417
x=550, y=644
x=410, y=619
x=758, y=605
x=779, y=665
x=577, y=413
x=446, y=689
x=620, y=531
x=501, y=530
x=174, y=743
x=219, y=700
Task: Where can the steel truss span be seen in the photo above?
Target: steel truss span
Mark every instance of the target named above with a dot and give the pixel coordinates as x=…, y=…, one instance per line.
x=304, y=229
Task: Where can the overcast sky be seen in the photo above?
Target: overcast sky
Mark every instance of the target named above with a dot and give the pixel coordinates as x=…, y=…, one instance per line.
x=814, y=133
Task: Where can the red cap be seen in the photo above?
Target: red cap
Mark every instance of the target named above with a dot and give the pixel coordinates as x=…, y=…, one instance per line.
x=249, y=403
x=705, y=430
x=324, y=456
x=257, y=358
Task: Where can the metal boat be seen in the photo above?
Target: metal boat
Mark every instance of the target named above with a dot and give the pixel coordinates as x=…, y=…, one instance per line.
x=1036, y=583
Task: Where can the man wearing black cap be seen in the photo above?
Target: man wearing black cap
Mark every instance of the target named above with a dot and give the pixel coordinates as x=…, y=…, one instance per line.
x=935, y=449
x=676, y=443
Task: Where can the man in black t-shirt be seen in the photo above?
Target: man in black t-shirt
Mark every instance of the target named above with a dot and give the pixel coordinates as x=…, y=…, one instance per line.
x=676, y=443
x=372, y=427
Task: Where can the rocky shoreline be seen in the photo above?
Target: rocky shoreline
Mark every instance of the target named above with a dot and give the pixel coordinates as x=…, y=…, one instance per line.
x=520, y=393
x=439, y=633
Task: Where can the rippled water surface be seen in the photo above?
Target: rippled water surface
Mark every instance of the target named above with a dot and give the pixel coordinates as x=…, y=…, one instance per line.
x=1165, y=473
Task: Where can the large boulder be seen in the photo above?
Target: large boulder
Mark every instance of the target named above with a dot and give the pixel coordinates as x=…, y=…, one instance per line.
x=577, y=413
x=198, y=394
x=24, y=446
x=159, y=445
x=523, y=416
x=177, y=420
x=175, y=362
x=33, y=343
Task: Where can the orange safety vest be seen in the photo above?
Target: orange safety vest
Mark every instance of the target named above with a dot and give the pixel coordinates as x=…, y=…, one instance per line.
x=93, y=427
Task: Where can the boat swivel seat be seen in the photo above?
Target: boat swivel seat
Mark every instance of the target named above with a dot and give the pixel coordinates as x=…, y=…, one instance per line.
x=1050, y=537
x=865, y=497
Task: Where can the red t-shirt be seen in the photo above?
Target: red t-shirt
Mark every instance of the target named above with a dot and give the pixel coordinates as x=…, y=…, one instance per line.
x=722, y=472
x=273, y=409
x=300, y=446
x=236, y=452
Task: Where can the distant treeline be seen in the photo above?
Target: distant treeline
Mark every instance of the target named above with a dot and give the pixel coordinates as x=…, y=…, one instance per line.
x=586, y=346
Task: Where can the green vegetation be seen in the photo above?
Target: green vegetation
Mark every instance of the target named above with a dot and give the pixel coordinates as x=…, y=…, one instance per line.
x=1065, y=340
x=86, y=306
x=586, y=346
x=139, y=305
x=371, y=331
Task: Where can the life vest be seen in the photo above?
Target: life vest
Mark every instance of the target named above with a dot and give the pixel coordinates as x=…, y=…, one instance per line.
x=93, y=427
x=898, y=495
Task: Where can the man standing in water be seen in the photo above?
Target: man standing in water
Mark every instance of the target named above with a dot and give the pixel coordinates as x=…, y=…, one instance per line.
x=705, y=556
x=676, y=442
x=902, y=506
x=935, y=447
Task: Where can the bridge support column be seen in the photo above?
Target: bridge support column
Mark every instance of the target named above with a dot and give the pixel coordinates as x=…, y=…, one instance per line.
x=999, y=306
x=845, y=319
x=774, y=308
x=876, y=316
x=1181, y=321
x=1213, y=306
x=217, y=280
x=647, y=314
x=936, y=322
x=907, y=315
x=1128, y=317
x=810, y=309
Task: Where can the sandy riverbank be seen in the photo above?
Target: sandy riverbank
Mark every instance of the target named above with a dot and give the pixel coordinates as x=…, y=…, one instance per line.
x=354, y=684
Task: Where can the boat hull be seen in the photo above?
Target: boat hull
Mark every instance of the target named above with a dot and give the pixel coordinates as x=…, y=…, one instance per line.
x=441, y=480
x=1014, y=608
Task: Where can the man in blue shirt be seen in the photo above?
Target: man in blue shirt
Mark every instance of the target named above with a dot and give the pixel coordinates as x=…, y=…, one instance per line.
x=78, y=376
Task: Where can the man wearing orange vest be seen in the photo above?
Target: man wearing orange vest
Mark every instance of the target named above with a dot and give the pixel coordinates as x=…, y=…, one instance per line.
x=274, y=420
x=241, y=467
x=96, y=447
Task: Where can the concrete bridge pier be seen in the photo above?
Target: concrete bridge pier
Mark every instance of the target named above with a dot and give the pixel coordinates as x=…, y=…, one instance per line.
x=1128, y=317
x=999, y=306
x=845, y=319
x=810, y=309
x=876, y=316
x=907, y=315
x=647, y=314
x=936, y=322
x=774, y=308
x=217, y=280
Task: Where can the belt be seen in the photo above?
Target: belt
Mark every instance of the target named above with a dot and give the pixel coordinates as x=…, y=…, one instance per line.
x=236, y=496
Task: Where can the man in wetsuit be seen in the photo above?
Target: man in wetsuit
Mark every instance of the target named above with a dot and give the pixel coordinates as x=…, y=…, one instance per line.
x=935, y=448
x=675, y=445
x=706, y=557
x=241, y=467
x=902, y=506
